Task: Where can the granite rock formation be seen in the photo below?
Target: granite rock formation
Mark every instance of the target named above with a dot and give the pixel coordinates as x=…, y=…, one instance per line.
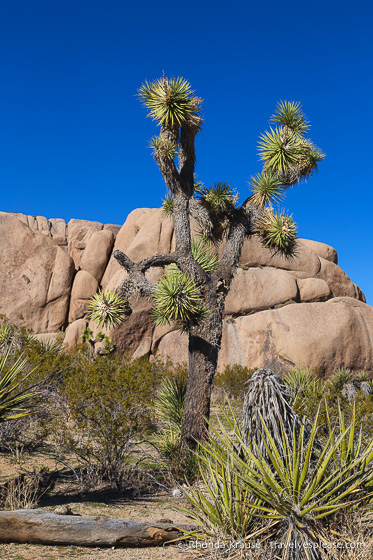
x=279, y=312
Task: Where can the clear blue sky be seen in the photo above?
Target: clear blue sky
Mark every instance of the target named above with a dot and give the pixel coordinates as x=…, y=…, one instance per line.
x=74, y=138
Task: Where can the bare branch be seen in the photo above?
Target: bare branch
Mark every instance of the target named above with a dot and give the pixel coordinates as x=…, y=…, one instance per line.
x=124, y=261
x=158, y=261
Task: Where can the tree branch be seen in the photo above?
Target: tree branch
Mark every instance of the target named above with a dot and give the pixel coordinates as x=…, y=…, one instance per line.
x=239, y=230
x=158, y=261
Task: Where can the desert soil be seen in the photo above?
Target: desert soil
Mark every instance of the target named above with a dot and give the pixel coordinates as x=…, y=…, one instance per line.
x=156, y=508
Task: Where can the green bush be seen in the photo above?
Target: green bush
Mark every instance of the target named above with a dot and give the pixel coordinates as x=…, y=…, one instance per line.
x=109, y=403
x=232, y=380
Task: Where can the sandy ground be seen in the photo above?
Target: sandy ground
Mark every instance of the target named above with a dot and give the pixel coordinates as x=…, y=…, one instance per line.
x=154, y=508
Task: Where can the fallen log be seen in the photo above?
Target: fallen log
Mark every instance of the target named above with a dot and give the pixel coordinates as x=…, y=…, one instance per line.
x=41, y=527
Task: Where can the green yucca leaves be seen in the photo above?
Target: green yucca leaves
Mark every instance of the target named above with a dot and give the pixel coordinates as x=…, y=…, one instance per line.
x=300, y=380
x=169, y=403
x=14, y=401
x=290, y=114
x=280, y=149
x=168, y=204
x=284, y=150
x=176, y=298
x=292, y=490
x=204, y=254
x=266, y=188
x=107, y=309
x=163, y=148
x=171, y=102
x=6, y=334
x=217, y=197
x=278, y=231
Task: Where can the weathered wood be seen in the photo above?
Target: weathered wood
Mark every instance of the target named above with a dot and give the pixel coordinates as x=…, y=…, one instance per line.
x=42, y=527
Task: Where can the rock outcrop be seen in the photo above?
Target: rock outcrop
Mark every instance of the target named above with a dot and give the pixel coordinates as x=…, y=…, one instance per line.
x=279, y=312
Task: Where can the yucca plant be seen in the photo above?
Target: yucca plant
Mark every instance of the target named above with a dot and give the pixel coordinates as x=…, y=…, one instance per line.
x=15, y=402
x=292, y=492
x=204, y=254
x=176, y=298
x=6, y=335
x=268, y=397
x=290, y=114
x=278, y=232
x=170, y=400
x=107, y=309
x=285, y=150
x=300, y=381
x=266, y=188
x=340, y=378
x=171, y=101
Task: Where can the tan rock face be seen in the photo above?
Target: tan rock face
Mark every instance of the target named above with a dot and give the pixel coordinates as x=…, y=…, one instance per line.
x=97, y=252
x=327, y=328
x=78, y=234
x=338, y=281
x=307, y=263
x=84, y=287
x=58, y=231
x=321, y=249
x=255, y=289
x=74, y=332
x=35, y=277
x=126, y=235
x=129, y=335
x=174, y=347
x=313, y=289
x=321, y=335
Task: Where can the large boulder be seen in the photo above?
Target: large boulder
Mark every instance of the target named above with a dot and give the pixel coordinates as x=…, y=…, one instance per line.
x=84, y=287
x=321, y=249
x=97, y=252
x=35, y=275
x=79, y=233
x=324, y=336
x=305, y=265
x=131, y=227
x=255, y=289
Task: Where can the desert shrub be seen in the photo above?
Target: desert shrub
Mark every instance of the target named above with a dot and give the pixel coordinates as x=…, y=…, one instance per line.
x=232, y=380
x=108, y=405
x=286, y=497
x=24, y=491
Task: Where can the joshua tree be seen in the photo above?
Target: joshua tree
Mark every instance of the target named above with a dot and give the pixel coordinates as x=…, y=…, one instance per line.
x=193, y=290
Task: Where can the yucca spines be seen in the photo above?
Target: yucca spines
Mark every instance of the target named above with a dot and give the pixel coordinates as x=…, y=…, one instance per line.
x=107, y=309
x=171, y=102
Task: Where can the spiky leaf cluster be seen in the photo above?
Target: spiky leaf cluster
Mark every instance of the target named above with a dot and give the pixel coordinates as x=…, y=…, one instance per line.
x=15, y=402
x=290, y=489
x=219, y=200
x=107, y=309
x=290, y=114
x=171, y=102
x=168, y=204
x=204, y=254
x=176, y=298
x=218, y=197
x=266, y=188
x=285, y=150
x=278, y=231
x=162, y=148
